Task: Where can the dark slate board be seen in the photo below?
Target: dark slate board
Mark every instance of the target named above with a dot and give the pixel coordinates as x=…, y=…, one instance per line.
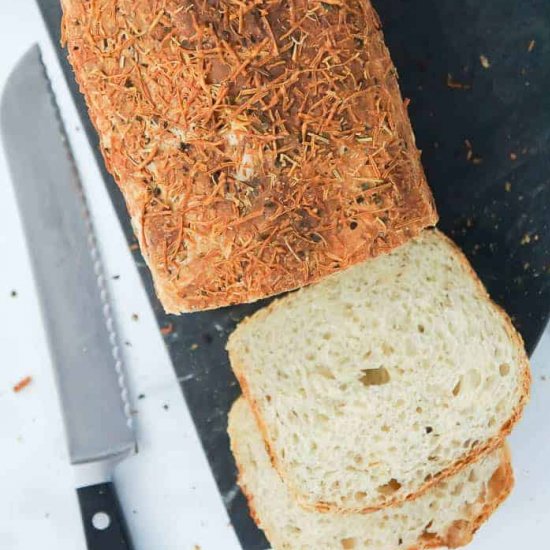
x=496, y=208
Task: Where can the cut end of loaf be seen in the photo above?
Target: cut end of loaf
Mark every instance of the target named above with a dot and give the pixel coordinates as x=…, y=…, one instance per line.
x=447, y=515
x=381, y=380
x=258, y=149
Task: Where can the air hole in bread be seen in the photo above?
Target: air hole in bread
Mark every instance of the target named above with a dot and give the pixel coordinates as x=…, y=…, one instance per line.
x=421, y=329
x=349, y=543
x=387, y=349
x=322, y=418
x=504, y=369
x=389, y=488
x=325, y=372
x=385, y=428
x=429, y=429
x=472, y=478
x=360, y=495
x=457, y=489
x=327, y=336
x=458, y=387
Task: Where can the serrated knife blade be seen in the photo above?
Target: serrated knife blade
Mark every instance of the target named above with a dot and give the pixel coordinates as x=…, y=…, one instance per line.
x=71, y=288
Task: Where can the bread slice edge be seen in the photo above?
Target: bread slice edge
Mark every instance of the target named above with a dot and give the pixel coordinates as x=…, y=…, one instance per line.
x=468, y=458
x=459, y=533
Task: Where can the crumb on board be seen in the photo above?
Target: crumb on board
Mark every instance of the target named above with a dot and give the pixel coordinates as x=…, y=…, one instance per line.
x=128, y=343
x=513, y=156
x=135, y=317
x=472, y=157
x=455, y=84
x=484, y=61
x=134, y=246
x=526, y=239
x=13, y=293
x=196, y=547
x=116, y=277
x=22, y=384
x=194, y=347
x=165, y=406
x=507, y=187
x=141, y=396
x=167, y=329
x=531, y=46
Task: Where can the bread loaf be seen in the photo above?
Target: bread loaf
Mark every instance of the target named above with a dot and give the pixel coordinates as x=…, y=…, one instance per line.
x=448, y=514
x=377, y=382
x=260, y=145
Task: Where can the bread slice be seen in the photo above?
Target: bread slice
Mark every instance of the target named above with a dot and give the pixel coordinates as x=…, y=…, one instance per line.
x=448, y=514
x=376, y=383
x=259, y=147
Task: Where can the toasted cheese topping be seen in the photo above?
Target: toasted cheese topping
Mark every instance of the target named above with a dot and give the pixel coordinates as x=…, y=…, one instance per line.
x=260, y=145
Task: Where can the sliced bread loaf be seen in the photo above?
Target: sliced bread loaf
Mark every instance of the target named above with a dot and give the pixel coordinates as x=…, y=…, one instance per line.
x=376, y=383
x=448, y=514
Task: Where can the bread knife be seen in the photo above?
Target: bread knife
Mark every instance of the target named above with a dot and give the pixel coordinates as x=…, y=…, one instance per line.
x=73, y=296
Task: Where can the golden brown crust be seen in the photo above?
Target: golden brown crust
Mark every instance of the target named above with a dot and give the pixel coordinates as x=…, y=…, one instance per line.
x=460, y=533
x=260, y=146
x=472, y=456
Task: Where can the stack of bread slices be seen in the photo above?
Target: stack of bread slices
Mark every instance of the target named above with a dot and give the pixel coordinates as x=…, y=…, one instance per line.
x=376, y=404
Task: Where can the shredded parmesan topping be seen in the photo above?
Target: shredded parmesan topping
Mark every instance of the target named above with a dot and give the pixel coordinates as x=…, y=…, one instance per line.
x=260, y=144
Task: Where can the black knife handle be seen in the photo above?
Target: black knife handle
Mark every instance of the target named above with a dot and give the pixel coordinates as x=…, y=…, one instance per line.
x=104, y=523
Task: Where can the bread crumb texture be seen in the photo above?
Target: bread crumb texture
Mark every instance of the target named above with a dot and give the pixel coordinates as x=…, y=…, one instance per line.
x=446, y=515
x=260, y=146
x=382, y=379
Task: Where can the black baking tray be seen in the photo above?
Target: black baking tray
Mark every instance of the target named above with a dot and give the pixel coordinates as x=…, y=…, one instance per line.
x=478, y=76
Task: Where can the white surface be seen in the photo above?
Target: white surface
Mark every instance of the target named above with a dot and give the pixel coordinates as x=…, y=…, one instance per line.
x=167, y=491
x=169, y=496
